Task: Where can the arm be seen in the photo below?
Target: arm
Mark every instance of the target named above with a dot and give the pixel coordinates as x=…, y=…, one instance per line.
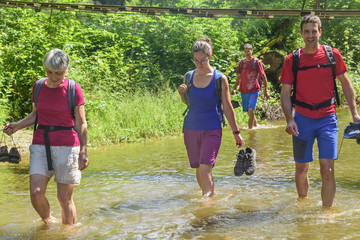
x=237, y=83
x=182, y=90
x=266, y=92
x=81, y=127
x=291, y=127
x=229, y=111
x=349, y=95
x=29, y=120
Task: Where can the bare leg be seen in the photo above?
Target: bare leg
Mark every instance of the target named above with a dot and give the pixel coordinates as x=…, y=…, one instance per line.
x=38, y=184
x=205, y=179
x=252, y=118
x=328, y=181
x=302, y=179
x=65, y=197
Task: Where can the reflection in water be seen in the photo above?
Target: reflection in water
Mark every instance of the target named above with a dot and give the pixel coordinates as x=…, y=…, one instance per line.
x=148, y=191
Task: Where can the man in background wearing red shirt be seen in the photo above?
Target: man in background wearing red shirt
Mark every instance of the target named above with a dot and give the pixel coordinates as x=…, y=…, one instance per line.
x=249, y=85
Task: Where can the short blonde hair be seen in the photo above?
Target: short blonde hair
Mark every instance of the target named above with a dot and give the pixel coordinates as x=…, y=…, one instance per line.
x=248, y=45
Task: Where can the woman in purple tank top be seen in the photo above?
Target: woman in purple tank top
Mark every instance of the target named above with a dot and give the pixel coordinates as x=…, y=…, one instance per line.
x=202, y=124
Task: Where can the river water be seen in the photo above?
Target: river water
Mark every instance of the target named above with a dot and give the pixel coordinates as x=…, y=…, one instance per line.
x=148, y=191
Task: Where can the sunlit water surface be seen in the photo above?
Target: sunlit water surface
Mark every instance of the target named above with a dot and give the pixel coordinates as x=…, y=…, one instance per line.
x=148, y=191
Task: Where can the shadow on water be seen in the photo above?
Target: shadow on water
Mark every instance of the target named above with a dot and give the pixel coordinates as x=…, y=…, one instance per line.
x=148, y=191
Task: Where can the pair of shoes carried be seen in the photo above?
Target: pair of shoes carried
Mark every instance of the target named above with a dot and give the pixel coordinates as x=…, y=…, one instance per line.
x=4, y=154
x=245, y=162
x=14, y=155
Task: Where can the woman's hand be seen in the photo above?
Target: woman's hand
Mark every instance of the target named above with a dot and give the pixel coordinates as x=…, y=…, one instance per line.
x=239, y=140
x=83, y=161
x=10, y=128
x=182, y=89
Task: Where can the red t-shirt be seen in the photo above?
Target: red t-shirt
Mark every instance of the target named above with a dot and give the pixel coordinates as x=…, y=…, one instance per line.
x=53, y=109
x=248, y=81
x=315, y=85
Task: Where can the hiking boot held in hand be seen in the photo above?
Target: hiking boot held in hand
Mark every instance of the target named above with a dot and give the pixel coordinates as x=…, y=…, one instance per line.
x=352, y=131
x=14, y=156
x=249, y=162
x=4, y=154
x=239, y=166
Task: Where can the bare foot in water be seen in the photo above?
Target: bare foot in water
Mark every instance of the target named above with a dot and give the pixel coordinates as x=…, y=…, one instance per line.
x=49, y=220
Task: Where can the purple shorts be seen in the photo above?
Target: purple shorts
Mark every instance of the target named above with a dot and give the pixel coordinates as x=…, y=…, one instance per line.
x=202, y=146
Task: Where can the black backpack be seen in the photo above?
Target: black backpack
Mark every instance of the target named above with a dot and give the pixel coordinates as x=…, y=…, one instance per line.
x=295, y=69
x=189, y=76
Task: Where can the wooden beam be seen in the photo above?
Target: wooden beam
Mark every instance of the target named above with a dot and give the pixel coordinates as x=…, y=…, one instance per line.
x=195, y=12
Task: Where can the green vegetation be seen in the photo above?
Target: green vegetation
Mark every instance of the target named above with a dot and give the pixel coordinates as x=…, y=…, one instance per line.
x=138, y=116
x=129, y=65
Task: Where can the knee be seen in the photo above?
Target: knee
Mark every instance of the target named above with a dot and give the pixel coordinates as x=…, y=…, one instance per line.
x=327, y=174
x=302, y=172
x=37, y=193
x=64, y=199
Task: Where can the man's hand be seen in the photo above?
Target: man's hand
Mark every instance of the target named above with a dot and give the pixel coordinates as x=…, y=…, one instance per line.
x=292, y=128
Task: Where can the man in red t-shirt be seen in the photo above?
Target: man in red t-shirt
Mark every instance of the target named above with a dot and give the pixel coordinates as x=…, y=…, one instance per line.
x=316, y=117
x=249, y=84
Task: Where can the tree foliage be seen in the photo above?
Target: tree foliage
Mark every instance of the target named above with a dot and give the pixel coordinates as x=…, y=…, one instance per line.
x=115, y=54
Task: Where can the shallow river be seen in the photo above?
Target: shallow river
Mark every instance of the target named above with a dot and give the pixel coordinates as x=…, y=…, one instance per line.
x=148, y=191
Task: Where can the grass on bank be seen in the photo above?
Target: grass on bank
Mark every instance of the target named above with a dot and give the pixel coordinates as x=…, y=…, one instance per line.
x=134, y=117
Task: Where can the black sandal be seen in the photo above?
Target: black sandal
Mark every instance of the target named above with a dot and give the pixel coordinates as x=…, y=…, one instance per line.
x=4, y=154
x=14, y=155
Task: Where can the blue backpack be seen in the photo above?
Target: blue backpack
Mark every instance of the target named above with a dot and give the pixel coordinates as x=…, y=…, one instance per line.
x=189, y=76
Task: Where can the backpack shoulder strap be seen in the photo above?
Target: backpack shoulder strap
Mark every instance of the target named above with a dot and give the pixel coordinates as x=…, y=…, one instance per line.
x=329, y=54
x=218, y=87
x=37, y=90
x=218, y=82
x=331, y=58
x=295, y=69
x=254, y=64
x=241, y=64
x=188, y=80
x=295, y=63
x=189, y=76
x=36, y=94
x=71, y=96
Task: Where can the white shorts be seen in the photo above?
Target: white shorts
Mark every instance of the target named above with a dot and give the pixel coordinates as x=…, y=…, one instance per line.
x=64, y=159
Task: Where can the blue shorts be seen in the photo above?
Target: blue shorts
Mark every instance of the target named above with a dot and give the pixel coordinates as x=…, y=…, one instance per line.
x=325, y=130
x=249, y=100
